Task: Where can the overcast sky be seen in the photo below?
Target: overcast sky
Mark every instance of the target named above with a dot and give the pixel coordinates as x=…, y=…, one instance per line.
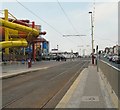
x=105, y=21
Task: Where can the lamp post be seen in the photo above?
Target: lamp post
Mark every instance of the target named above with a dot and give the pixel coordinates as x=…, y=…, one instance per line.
x=92, y=38
x=80, y=47
x=57, y=47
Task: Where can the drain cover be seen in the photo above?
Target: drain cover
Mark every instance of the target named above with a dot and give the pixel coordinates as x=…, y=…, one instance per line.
x=90, y=98
x=4, y=72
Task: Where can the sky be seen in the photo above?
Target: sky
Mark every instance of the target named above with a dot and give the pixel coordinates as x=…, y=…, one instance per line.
x=49, y=14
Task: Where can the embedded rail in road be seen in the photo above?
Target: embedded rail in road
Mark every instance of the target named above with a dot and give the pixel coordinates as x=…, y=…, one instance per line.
x=43, y=88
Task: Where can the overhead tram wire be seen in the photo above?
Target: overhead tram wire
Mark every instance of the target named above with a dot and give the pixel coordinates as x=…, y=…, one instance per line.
x=39, y=17
x=67, y=17
x=42, y=20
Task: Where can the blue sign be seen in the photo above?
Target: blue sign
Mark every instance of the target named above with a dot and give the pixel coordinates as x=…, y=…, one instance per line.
x=28, y=49
x=44, y=45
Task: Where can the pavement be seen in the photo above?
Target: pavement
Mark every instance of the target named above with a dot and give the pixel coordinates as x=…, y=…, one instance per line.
x=88, y=91
x=16, y=68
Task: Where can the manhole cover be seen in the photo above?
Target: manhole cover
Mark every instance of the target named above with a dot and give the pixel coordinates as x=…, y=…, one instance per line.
x=4, y=72
x=90, y=98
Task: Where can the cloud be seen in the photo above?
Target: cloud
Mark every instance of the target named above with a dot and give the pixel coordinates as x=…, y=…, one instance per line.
x=106, y=24
x=104, y=11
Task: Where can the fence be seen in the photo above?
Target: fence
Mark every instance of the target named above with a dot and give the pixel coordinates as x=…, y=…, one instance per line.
x=113, y=76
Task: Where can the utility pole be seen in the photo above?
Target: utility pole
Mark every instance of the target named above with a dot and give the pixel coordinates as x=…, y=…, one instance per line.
x=33, y=45
x=57, y=47
x=80, y=49
x=92, y=38
x=97, y=57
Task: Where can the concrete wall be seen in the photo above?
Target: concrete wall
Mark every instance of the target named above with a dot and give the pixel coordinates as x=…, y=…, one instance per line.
x=113, y=76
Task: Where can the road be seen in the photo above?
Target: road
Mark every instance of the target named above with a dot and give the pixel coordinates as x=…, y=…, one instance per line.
x=41, y=89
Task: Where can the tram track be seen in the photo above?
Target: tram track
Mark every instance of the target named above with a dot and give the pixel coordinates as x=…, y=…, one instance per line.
x=64, y=87
x=54, y=92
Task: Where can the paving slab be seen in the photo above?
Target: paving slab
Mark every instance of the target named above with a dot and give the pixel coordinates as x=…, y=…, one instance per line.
x=88, y=91
x=10, y=70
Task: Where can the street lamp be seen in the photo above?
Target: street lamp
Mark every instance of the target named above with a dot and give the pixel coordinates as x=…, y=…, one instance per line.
x=80, y=49
x=57, y=47
x=92, y=38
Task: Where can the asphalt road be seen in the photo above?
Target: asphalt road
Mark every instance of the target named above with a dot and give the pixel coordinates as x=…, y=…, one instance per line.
x=43, y=89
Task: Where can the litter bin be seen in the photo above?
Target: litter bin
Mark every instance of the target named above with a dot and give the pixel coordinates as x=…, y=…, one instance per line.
x=93, y=59
x=23, y=61
x=29, y=63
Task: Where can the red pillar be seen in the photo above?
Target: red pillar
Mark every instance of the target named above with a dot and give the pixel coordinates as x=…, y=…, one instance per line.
x=33, y=45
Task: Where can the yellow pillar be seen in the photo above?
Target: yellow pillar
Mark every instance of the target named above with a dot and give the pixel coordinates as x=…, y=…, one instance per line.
x=6, y=31
x=24, y=51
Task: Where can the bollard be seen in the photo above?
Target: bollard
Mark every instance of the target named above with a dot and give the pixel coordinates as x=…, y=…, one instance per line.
x=93, y=59
x=23, y=61
x=29, y=63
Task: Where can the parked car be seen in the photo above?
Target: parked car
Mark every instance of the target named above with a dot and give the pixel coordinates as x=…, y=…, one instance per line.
x=63, y=58
x=47, y=58
x=117, y=60
x=60, y=58
x=110, y=57
x=114, y=58
x=53, y=57
x=105, y=56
